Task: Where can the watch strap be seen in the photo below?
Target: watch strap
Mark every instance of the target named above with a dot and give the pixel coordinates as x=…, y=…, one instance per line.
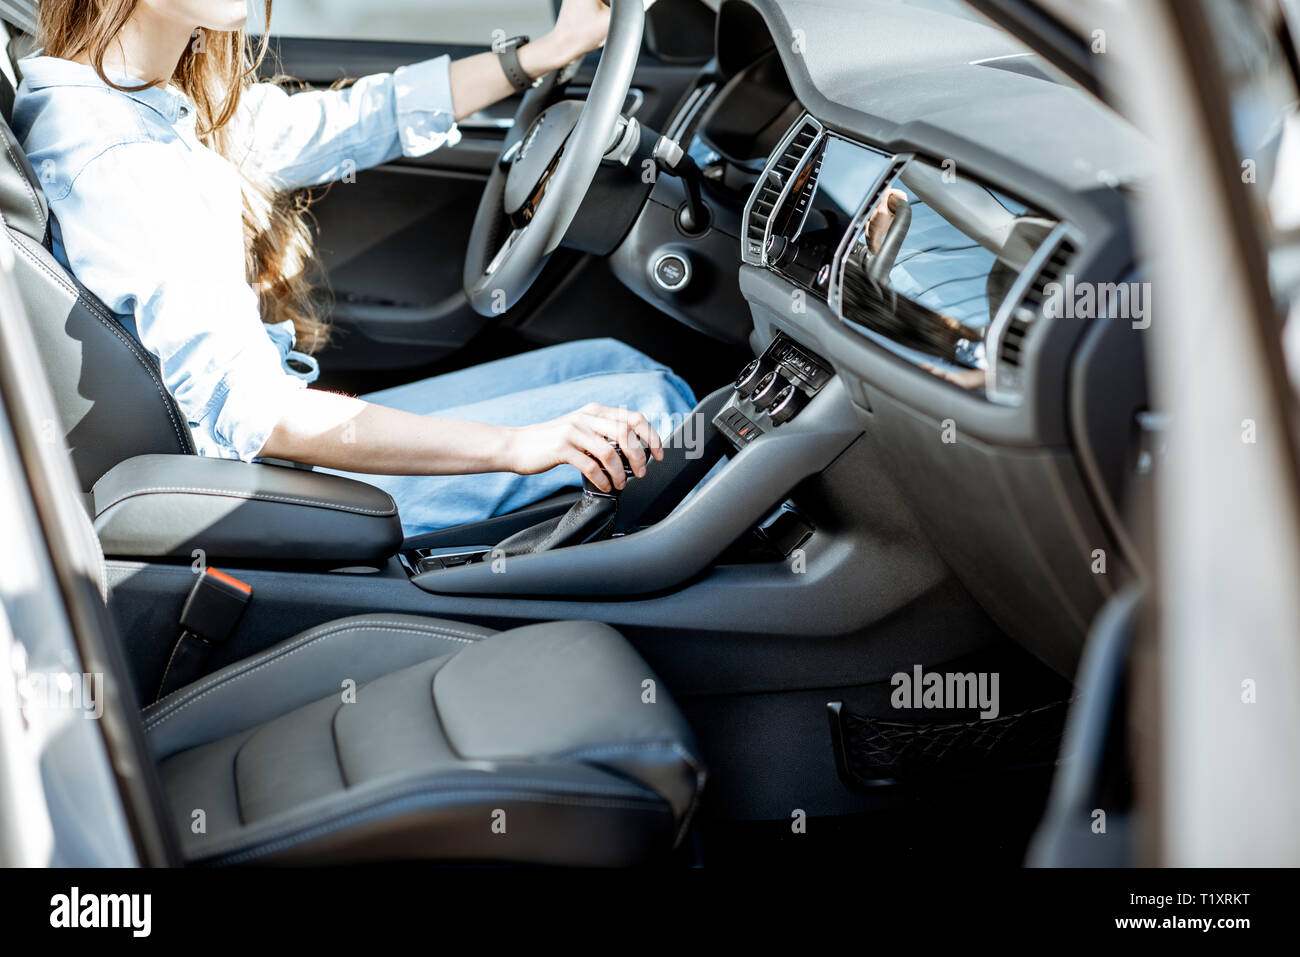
x=509, y=57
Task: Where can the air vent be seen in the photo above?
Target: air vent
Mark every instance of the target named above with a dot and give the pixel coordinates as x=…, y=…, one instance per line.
x=1013, y=337
x=1031, y=304
x=1005, y=383
x=774, y=182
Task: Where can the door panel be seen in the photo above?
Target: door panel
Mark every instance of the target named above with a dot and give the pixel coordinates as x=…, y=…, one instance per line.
x=392, y=244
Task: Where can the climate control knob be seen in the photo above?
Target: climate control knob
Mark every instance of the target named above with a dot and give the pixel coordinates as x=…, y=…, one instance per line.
x=766, y=391
x=787, y=403
x=775, y=250
x=750, y=376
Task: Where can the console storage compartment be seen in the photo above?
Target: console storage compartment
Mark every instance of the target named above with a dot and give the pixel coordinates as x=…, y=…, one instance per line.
x=167, y=506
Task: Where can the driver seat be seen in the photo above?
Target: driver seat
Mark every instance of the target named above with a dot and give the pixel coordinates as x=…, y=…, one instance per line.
x=108, y=392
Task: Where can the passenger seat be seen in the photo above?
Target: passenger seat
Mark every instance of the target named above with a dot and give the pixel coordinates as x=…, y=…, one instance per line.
x=400, y=737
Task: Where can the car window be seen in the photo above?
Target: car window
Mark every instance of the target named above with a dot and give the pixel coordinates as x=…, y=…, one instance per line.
x=427, y=21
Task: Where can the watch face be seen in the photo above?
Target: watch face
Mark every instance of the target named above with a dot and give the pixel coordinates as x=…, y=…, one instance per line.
x=508, y=43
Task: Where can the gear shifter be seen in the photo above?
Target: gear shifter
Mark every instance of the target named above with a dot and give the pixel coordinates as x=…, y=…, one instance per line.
x=590, y=519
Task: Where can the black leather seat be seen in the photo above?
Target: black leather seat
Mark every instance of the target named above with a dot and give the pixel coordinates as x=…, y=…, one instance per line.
x=382, y=737
x=107, y=389
x=461, y=744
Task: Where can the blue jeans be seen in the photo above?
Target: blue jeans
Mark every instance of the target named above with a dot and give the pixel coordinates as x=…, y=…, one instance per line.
x=521, y=390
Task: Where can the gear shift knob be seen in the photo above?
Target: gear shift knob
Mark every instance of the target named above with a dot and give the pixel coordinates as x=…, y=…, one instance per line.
x=589, y=489
x=591, y=518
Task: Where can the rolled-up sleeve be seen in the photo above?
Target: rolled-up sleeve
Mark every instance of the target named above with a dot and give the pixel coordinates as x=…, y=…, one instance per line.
x=250, y=403
x=224, y=372
x=174, y=264
x=318, y=136
x=426, y=116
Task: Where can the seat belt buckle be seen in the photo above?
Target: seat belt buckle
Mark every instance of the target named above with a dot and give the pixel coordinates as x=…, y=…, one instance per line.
x=214, y=606
x=208, y=618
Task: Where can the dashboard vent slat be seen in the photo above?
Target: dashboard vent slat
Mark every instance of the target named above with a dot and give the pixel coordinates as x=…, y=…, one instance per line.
x=1011, y=347
x=1006, y=385
x=767, y=192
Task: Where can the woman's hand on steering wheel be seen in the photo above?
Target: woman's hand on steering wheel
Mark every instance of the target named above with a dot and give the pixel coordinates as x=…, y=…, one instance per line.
x=581, y=25
x=583, y=439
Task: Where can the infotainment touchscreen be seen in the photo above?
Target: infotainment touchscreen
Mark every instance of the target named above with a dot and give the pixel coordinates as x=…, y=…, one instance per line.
x=930, y=266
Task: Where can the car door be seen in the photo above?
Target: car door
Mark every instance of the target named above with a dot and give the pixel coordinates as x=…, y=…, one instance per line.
x=1225, y=769
x=1207, y=769
x=392, y=240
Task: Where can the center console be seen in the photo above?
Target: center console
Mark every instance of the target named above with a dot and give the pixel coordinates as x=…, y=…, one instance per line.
x=682, y=518
x=620, y=538
x=772, y=390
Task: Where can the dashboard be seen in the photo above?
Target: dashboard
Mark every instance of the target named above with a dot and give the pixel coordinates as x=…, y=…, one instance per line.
x=896, y=202
x=939, y=268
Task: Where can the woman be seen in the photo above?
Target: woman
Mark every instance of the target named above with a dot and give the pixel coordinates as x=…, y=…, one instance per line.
x=168, y=172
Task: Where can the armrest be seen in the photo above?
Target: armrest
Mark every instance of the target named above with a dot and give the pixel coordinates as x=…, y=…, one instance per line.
x=169, y=505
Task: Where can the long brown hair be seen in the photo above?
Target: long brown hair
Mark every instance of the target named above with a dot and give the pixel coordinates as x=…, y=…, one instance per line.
x=213, y=72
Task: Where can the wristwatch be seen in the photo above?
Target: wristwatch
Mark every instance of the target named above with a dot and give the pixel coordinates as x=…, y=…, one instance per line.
x=508, y=53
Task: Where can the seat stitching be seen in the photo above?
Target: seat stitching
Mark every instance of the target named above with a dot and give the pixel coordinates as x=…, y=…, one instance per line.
x=113, y=327
x=31, y=193
x=318, y=631
x=251, y=496
x=377, y=807
x=274, y=657
x=315, y=635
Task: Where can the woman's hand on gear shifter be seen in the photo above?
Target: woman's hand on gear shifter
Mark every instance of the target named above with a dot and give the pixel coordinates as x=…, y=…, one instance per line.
x=590, y=440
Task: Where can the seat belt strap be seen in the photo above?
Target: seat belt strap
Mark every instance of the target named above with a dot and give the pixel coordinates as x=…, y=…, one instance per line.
x=208, y=619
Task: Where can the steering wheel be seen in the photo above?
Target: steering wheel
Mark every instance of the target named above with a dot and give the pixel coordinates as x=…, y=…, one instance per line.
x=545, y=168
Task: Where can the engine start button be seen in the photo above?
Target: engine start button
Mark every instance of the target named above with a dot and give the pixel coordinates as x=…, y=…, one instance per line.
x=671, y=271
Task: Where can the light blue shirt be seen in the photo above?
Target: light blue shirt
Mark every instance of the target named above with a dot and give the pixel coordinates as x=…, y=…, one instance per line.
x=151, y=220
